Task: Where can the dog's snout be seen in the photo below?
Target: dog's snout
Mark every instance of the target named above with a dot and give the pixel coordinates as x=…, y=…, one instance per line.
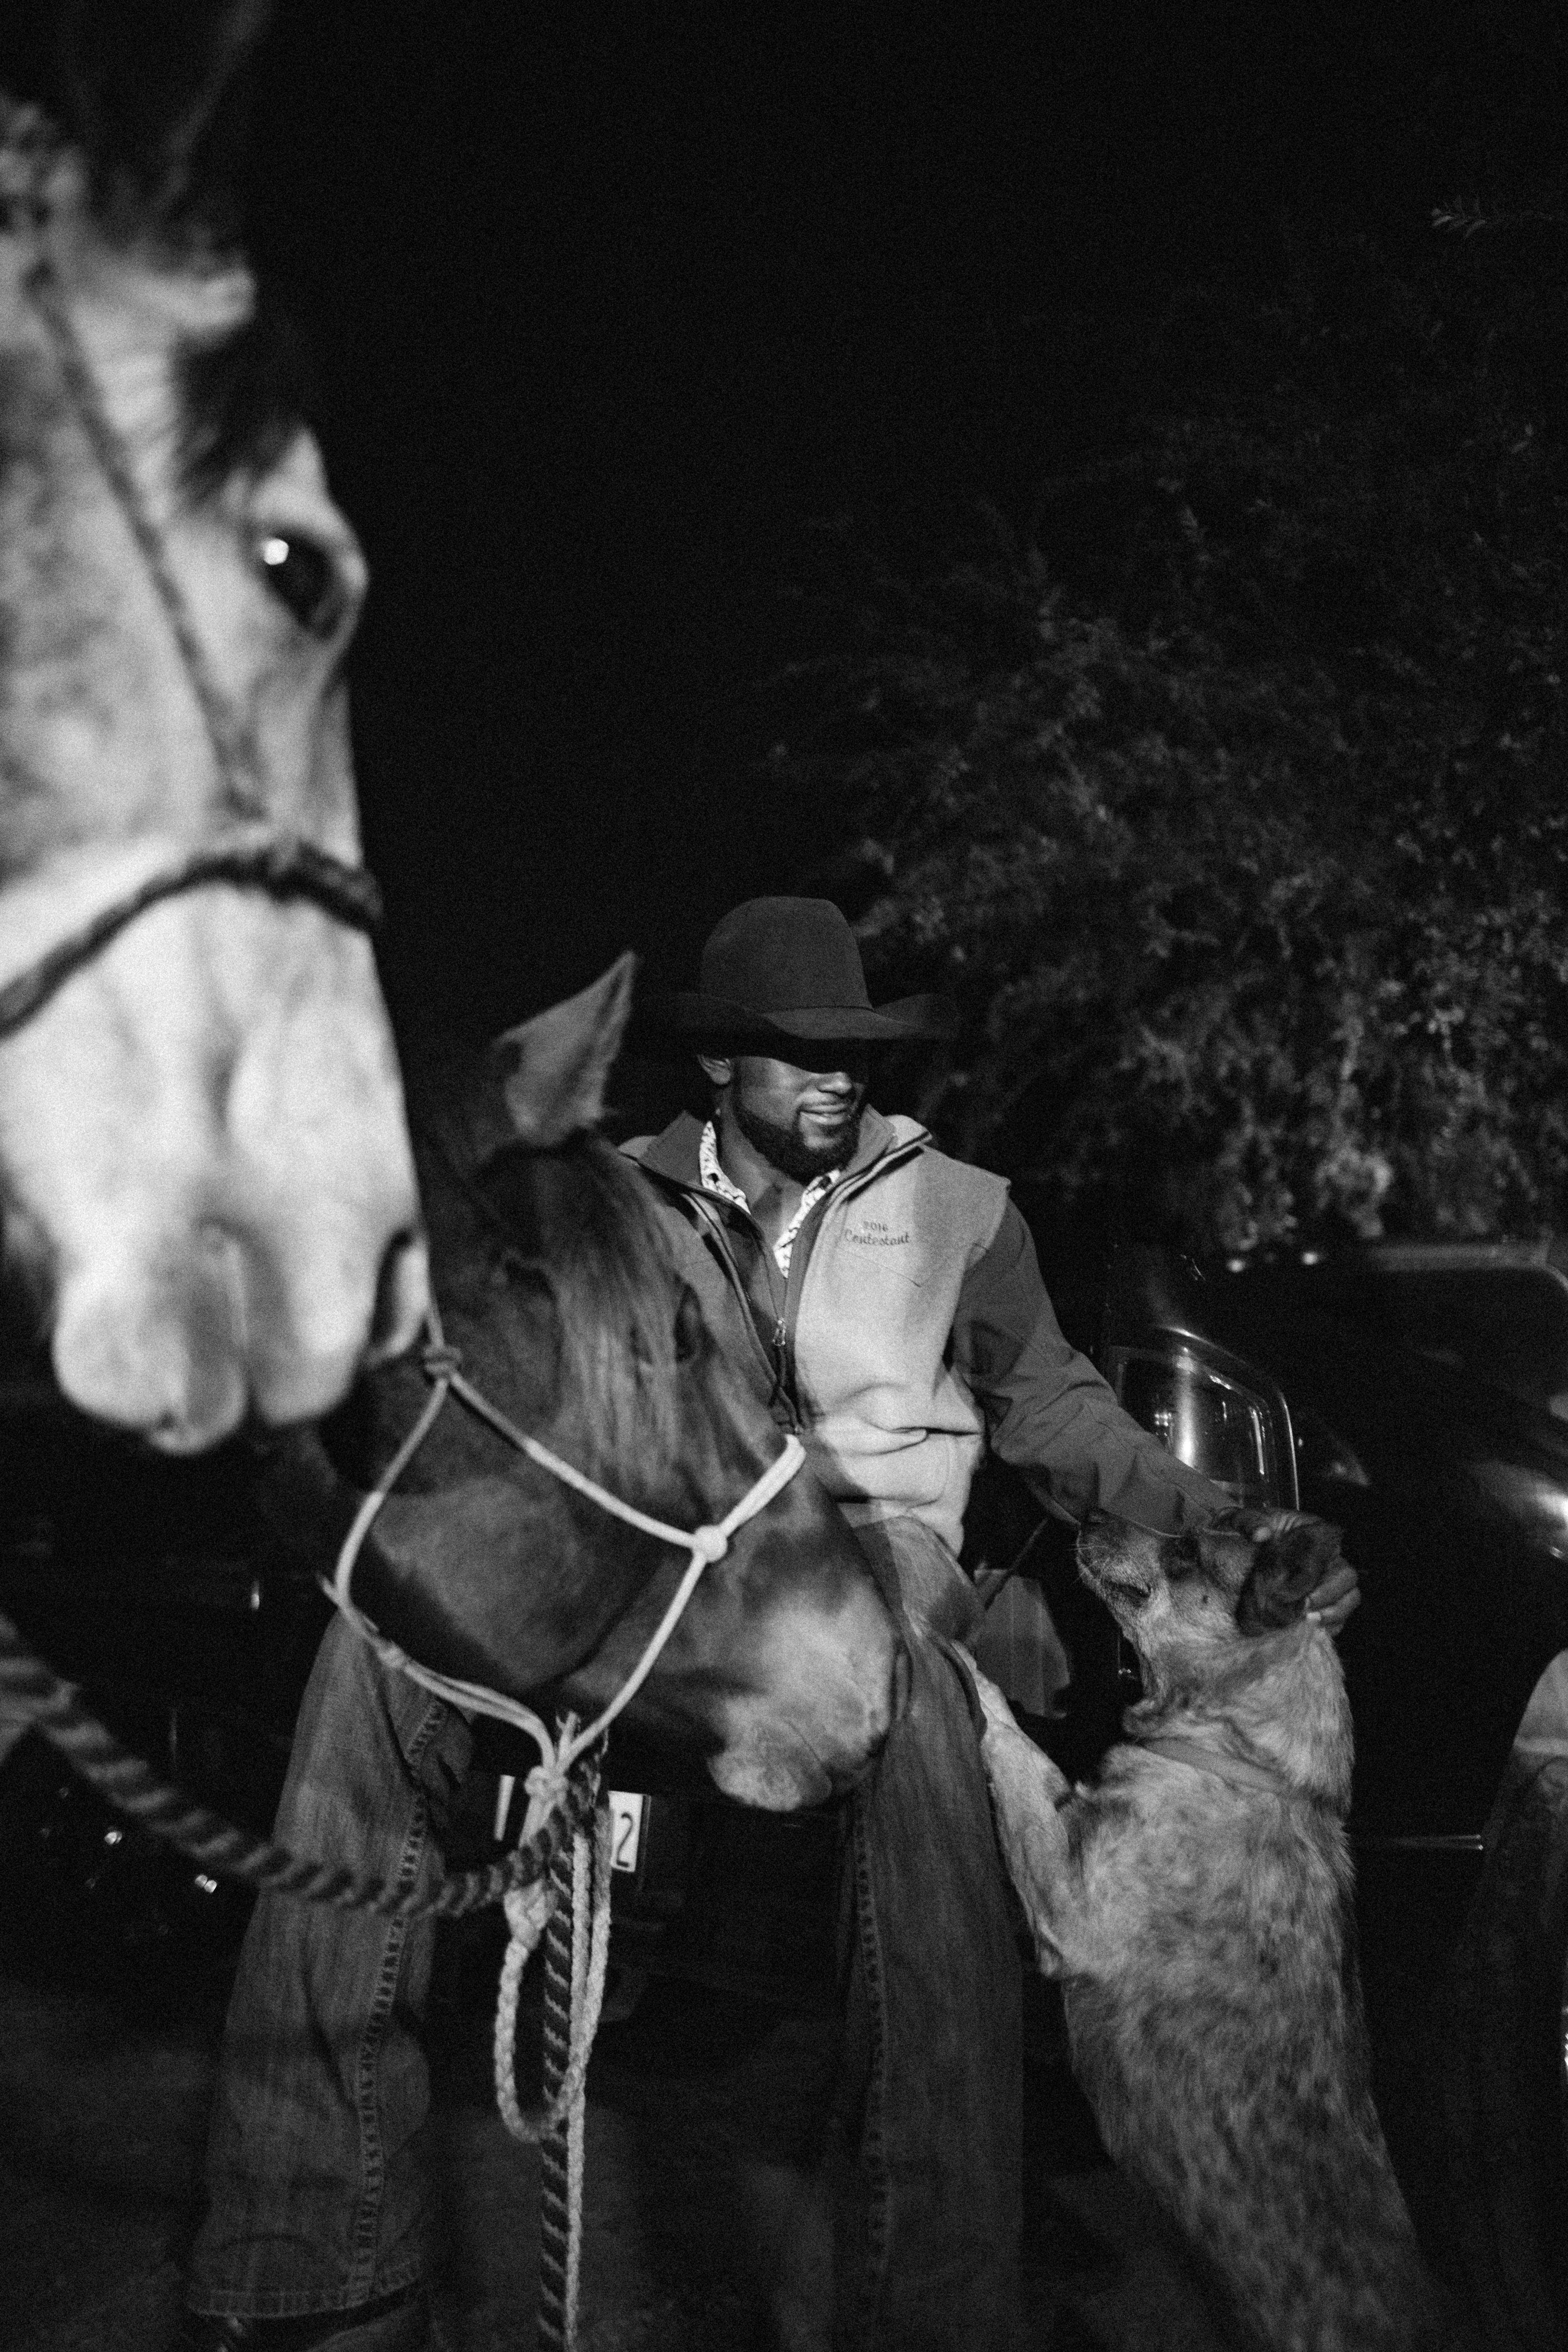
x=1096, y=1535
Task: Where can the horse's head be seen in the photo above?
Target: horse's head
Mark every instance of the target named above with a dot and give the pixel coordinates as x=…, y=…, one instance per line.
x=204, y=1176
x=559, y=1284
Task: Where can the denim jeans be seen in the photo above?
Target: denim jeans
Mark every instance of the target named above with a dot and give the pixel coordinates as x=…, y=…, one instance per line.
x=317, y=2189
x=318, y=2198
x=926, y=2237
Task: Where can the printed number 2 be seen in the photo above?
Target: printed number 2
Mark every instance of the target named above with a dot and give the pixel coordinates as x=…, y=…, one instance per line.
x=626, y=1827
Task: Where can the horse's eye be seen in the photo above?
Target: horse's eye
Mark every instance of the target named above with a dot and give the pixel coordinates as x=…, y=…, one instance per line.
x=520, y=1272
x=690, y=1331
x=304, y=579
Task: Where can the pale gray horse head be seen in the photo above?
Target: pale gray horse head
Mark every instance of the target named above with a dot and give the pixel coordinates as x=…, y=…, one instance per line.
x=206, y=1179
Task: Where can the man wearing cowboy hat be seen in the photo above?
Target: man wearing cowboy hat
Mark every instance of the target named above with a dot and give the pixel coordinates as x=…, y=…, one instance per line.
x=884, y=1298
x=887, y=1301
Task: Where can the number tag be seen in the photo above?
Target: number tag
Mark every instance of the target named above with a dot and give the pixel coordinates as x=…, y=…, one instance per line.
x=626, y=1828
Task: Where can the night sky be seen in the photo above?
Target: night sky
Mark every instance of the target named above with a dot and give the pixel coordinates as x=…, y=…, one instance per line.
x=608, y=302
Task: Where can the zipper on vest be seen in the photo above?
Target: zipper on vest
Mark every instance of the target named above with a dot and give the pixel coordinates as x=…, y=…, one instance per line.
x=782, y=1381
x=800, y=1257
x=784, y=1375
x=783, y=1330
x=717, y=1242
x=782, y=1367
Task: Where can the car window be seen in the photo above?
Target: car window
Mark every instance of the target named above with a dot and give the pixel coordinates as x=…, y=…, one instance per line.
x=1504, y=1325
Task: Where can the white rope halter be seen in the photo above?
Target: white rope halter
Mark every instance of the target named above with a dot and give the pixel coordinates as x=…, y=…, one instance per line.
x=442, y=1367
x=528, y=1909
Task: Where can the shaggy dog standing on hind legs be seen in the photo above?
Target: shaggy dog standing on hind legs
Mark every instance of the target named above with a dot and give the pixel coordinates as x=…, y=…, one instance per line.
x=1195, y=1903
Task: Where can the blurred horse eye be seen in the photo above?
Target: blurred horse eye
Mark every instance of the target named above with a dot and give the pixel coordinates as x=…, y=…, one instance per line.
x=304, y=579
x=690, y=1331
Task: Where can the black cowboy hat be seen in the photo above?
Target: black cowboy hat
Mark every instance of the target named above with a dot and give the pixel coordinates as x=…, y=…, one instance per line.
x=778, y=969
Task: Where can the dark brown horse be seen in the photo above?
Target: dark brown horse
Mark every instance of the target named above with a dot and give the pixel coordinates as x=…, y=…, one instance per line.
x=558, y=1283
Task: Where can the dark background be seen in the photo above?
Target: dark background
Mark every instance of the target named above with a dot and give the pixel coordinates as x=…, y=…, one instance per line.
x=608, y=303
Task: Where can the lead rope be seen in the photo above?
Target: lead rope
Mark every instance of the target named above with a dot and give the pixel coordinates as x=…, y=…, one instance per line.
x=576, y=1953
x=54, y=1708
x=572, y=1908
x=583, y=1881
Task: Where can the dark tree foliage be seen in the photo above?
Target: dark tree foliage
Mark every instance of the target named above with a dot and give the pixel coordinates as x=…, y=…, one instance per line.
x=1228, y=798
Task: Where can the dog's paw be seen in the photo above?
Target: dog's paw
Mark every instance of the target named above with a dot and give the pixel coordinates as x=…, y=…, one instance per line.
x=997, y=1711
x=1015, y=1766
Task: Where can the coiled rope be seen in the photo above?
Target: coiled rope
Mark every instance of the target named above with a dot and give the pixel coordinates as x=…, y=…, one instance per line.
x=576, y=1952
x=572, y=1910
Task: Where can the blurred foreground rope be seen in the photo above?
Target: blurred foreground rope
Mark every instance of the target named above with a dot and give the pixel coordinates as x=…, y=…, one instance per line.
x=32, y=1690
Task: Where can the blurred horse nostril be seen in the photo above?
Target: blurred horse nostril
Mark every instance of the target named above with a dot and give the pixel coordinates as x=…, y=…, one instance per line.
x=402, y=1295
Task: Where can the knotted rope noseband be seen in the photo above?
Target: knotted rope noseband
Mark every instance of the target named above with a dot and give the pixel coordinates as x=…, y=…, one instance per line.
x=577, y=1956
x=442, y=1366
x=561, y=1789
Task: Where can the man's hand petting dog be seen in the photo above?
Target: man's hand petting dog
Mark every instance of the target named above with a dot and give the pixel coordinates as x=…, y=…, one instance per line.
x=1337, y=1593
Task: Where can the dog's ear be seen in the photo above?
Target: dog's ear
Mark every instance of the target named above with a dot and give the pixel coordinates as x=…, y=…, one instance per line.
x=1287, y=1570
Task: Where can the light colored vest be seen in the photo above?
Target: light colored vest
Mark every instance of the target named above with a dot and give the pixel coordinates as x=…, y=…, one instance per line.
x=890, y=1428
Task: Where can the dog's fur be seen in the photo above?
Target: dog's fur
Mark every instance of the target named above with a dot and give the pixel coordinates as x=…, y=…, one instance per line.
x=1198, y=1914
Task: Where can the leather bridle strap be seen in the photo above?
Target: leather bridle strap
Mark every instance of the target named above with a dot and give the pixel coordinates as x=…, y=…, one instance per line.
x=249, y=851
x=232, y=748
x=256, y=856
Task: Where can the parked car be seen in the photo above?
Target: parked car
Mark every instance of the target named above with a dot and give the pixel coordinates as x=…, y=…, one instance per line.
x=1417, y=1395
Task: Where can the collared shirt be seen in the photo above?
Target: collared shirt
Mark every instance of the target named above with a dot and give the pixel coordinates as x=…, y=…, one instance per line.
x=715, y=1180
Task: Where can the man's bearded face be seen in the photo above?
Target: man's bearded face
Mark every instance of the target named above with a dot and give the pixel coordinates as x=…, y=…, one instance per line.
x=802, y=1123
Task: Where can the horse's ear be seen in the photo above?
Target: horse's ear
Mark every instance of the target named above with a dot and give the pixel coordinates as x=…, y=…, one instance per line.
x=1287, y=1570
x=552, y=1070
x=157, y=96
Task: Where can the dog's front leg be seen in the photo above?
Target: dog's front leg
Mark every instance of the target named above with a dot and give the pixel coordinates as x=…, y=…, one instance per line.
x=1026, y=1792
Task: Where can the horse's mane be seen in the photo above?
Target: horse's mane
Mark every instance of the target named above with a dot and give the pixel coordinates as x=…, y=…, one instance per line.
x=581, y=1219
x=242, y=399
x=612, y=1281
